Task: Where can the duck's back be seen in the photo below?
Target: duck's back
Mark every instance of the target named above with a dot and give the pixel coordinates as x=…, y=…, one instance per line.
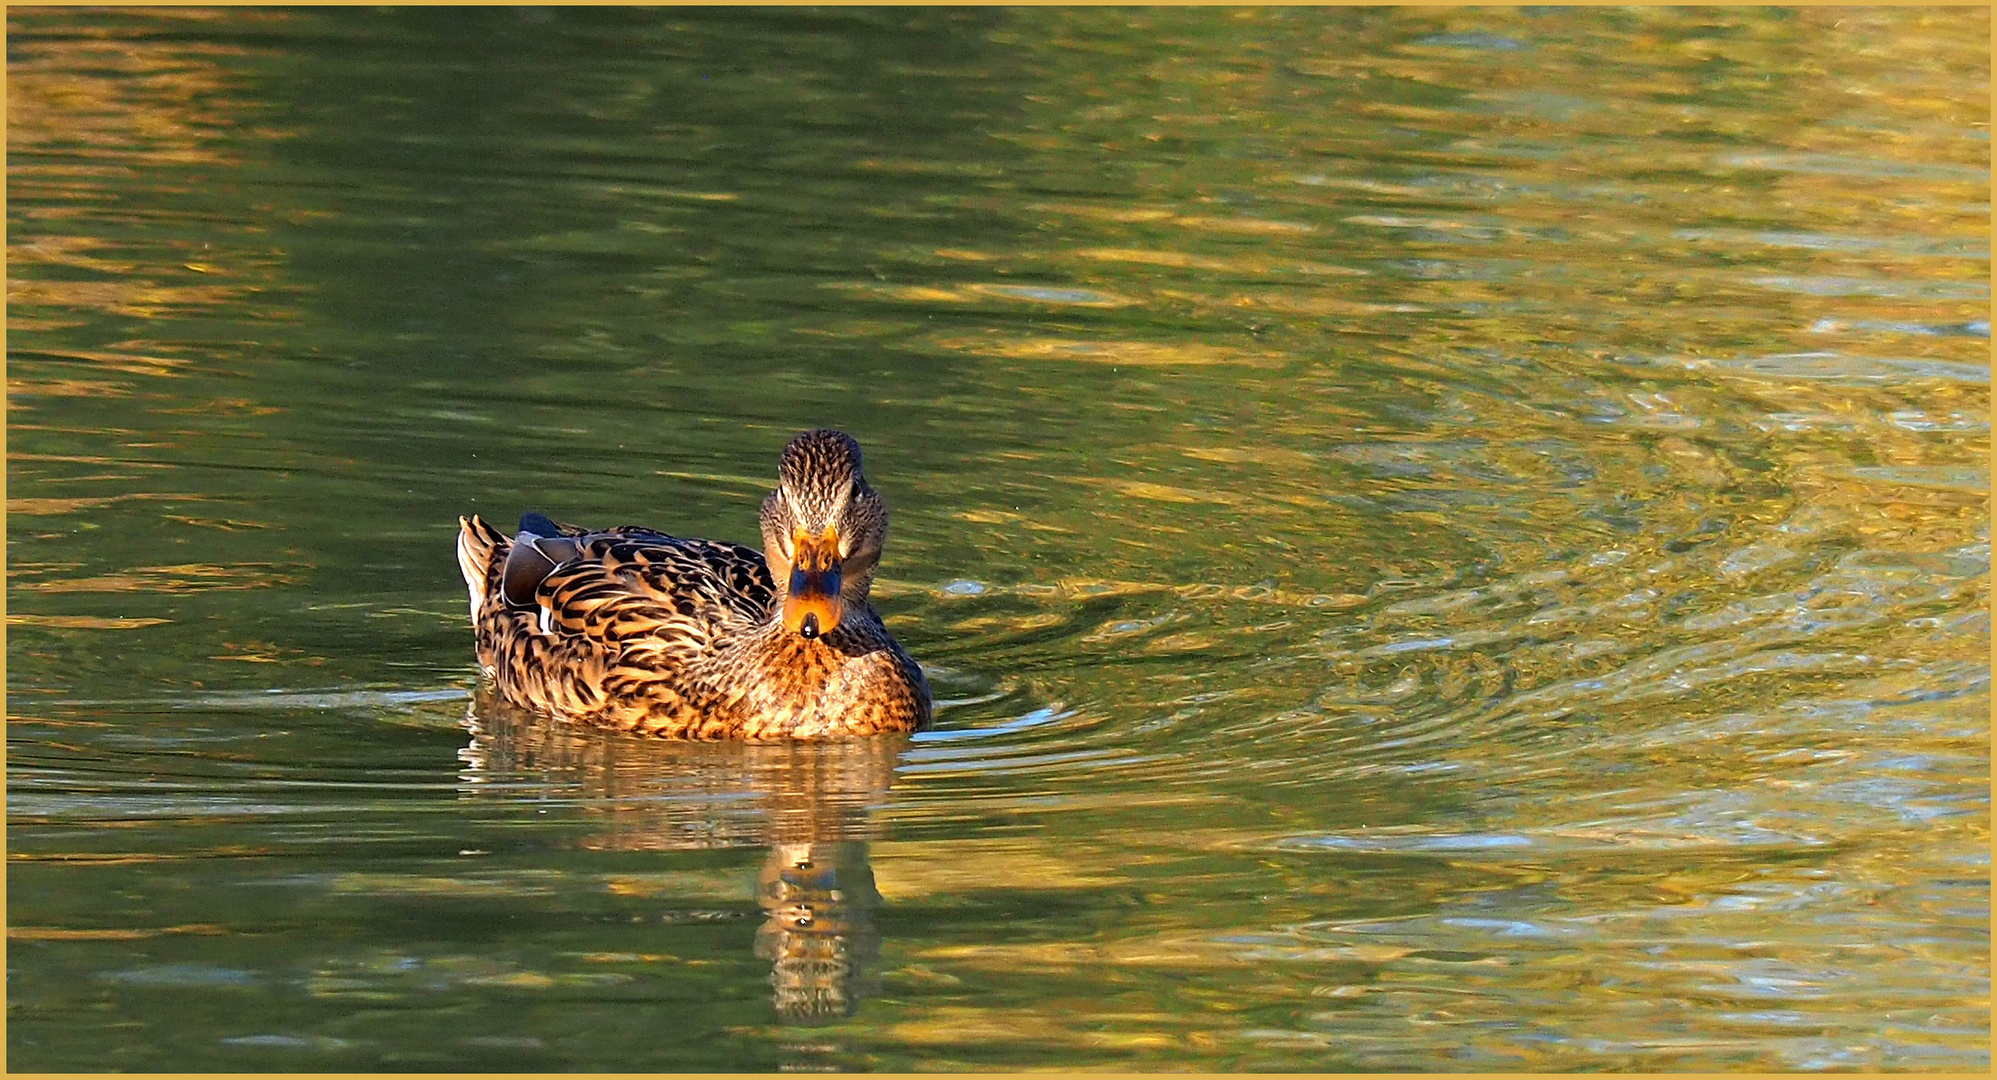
x=631, y=584
x=611, y=632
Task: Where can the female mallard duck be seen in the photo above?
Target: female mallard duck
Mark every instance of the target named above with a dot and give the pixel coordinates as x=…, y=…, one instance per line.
x=635, y=630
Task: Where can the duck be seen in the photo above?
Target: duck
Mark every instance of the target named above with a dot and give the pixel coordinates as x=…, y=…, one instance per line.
x=638, y=631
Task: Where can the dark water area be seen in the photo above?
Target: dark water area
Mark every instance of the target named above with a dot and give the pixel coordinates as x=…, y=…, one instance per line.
x=1444, y=540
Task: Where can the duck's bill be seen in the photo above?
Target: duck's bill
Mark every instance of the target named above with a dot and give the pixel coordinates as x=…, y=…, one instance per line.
x=813, y=606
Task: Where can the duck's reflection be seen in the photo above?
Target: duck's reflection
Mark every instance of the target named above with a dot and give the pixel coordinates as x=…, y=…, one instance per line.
x=809, y=801
x=818, y=930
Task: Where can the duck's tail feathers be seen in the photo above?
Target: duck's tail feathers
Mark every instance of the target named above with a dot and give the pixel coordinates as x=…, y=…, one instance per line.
x=481, y=551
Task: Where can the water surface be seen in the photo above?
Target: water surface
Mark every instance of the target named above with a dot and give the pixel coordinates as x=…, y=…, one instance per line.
x=1446, y=540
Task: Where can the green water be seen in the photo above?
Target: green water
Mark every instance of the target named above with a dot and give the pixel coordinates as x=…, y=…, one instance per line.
x=1445, y=540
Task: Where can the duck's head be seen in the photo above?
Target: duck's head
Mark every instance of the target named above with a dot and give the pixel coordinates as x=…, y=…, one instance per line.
x=823, y=529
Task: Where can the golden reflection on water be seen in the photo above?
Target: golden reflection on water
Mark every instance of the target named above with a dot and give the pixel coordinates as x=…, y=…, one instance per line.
x=89, y=110
x=185, y=577
x=82, y=622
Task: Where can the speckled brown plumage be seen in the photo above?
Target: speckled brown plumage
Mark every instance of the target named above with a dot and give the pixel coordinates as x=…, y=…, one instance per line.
x=635, y=630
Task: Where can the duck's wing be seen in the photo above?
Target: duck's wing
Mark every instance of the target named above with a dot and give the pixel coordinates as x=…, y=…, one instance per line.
x=634, y=589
